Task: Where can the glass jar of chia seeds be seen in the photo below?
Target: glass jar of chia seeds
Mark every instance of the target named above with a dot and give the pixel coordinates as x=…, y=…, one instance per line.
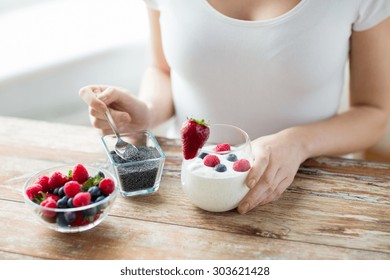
x=141, y=173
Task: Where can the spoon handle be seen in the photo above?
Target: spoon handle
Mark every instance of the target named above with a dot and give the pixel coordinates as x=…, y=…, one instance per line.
x=108, y=116
x=111, y=122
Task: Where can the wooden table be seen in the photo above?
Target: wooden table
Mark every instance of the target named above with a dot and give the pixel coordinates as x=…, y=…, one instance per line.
x=335, y=209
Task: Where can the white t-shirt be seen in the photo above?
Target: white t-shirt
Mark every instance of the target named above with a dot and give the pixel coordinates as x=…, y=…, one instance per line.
x=262, y=76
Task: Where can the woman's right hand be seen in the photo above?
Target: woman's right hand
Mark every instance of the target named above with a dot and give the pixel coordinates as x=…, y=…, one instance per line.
x=129, y=113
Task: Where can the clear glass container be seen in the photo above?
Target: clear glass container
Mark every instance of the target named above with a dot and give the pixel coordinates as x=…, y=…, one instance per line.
x=76, y=219
x=141, y=174
x=212, y=190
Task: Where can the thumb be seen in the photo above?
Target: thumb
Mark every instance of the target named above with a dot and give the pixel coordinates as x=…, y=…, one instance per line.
x=111, y=95
x=105, y=95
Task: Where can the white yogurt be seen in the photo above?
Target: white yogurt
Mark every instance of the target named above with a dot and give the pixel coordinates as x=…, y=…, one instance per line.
x=211, y=190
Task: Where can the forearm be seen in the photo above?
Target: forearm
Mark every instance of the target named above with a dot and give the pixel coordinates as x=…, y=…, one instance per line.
x=156, y=92
x=354, y=130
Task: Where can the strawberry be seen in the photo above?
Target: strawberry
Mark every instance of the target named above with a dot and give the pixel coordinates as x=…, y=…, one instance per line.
x=80, y=173
x=194, y=135
x=224, y=147
x=106, y=186
x=241, y=165
x=211, y=160
x=72, y=188
x=82, y=199
x=44, y=182
x=33, y=190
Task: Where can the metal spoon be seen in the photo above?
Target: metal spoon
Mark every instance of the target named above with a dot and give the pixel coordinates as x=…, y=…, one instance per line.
x=122, y=148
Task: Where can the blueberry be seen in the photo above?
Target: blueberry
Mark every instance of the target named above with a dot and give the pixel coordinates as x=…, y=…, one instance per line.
x=65, y=219
x=202, y=155
x=100, y=174
x=90, y=212
x=61, y=192
x=55, y=191
x=100, y=198
x=95, y=192
x=103, y=205
x=62, y=202
x=220, y=167
x=232, y=157
x=70, y=217
x=70, y=202
x=61, y=221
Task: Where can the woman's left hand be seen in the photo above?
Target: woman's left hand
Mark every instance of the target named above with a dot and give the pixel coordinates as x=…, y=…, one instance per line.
x=277, y=159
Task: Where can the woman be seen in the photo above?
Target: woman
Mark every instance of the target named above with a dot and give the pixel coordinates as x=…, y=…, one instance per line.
x=272, y=68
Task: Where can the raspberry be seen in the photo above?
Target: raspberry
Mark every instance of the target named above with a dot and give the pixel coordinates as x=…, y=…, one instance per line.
x=56, y=180
x=65, y=179
x=82, y=199
x=52, y=196
x=79, y=220
x=80, y=173
x=211, y=160
x=72, y=188
x=241, y=165
x=224, y=147
x=107, y=186
x=49, y=203
x=33, y=190
x=44, y=182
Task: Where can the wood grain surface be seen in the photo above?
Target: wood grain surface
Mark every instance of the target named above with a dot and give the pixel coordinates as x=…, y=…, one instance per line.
x=335, y=208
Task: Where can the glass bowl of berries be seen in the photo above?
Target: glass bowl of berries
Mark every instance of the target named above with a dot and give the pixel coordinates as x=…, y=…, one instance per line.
x=217, y=159
x=71, y=198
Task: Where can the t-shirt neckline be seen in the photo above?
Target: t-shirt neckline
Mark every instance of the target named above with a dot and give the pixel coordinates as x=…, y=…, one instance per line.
x=262, y=22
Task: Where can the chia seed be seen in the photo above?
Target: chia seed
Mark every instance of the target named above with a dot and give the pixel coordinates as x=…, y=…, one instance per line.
x=140, y=174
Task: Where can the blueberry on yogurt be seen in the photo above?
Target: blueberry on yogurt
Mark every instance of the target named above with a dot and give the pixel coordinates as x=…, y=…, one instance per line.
x=232, y=157
x=220, y=167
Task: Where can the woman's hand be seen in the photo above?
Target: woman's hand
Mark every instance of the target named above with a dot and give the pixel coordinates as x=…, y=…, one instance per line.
x=129, y=113
x=277, y=159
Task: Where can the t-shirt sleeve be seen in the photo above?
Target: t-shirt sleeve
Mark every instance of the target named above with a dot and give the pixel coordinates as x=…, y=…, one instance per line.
x=152, y=4
x=370, y=13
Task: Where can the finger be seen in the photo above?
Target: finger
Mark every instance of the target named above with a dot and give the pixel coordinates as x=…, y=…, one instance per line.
x=277, y=193
x=89, y=97
x=253, y=197
x=273, y=177
x=98, y=120
x=111, y=95
x=96, y=114
x=98, y=88
x=263, y=189
x=106, y=131
x=100, y=123
x=102, y=94
x=260, y=164
x=120, y=117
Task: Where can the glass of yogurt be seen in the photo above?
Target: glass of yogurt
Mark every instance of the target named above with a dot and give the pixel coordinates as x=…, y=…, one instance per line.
x=215, y=179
